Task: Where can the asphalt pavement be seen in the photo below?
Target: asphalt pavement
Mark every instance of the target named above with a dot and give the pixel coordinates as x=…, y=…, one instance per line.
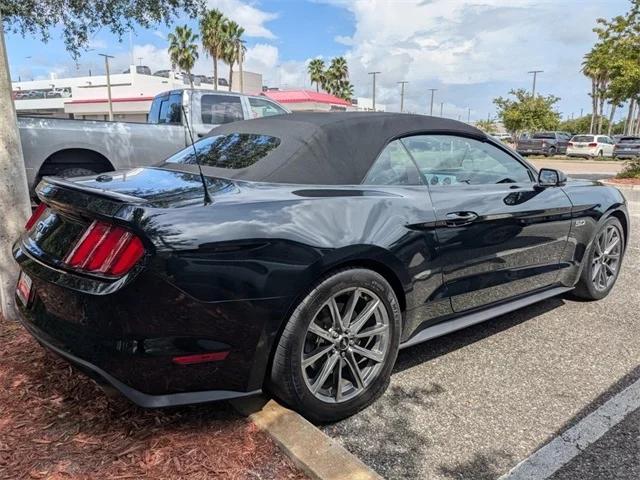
x=476, y=403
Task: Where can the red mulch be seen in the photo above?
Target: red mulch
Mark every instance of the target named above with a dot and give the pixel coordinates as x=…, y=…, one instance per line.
x=625, y=181
x=55, y=423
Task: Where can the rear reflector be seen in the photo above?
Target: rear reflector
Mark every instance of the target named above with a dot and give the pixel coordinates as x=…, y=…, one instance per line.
x=200, y=358
x=105, y=249
x=37, y=213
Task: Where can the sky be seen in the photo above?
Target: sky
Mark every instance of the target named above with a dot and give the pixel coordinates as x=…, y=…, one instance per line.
x=471, y=51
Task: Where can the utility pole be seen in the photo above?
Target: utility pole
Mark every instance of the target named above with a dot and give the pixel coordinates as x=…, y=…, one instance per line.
x=106, y=67
x=140, y=60
x=402, y=84
x=535, y=75
x=441, y=108
x=14, y=192
x=373, y=96
x=469, y=115
x=432, y=90
x=581, y=110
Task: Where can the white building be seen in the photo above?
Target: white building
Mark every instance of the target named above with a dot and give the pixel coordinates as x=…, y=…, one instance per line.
x=86, y=97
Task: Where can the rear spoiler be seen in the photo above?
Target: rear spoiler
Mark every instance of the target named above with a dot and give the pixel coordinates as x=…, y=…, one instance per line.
x=47, y=186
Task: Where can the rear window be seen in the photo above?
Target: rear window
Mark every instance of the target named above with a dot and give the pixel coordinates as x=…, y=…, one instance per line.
x=233, y=151
x=166, y=109
x=219, y=109
x=582, y=138
x=629, y=140
x=544, y=135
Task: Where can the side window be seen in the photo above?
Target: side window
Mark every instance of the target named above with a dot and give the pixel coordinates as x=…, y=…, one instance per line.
x=264, y=108
x=451, y=160
x=171, y=109
x=393, y=167
x=219, y=109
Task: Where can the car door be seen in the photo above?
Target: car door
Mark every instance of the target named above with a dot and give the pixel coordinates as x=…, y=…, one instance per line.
x=415, y=244
x=607, y=146
x=562, y=142
x=215, y=109
x=499, y=234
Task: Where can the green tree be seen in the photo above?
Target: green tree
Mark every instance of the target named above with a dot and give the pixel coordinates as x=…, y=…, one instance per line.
x=487, y=126
x=183, y=50
x=525, y=113
x=232, y=50
x=316, y=72
x=78, y=21
x=212, y=32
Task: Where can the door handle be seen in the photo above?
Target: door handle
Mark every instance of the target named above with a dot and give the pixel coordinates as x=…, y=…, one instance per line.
x=457, y=219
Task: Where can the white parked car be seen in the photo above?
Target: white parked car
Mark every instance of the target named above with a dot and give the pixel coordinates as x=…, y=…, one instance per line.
x=590, y=146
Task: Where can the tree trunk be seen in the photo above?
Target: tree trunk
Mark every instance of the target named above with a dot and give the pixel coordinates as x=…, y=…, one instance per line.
x=611, y=114
x=638, y=120
x=215, y=72
x=317, y=87
x=231, y=76
x=594, y=103
x=14, y=192
x=241, y=74
x=600, y=110
x=190, y=79
x=629, y=127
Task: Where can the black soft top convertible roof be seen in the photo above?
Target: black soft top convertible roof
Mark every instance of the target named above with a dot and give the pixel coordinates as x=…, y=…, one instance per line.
x=329, y=148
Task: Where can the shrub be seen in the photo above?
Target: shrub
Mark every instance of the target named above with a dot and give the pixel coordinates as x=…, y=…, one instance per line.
x=631, y=169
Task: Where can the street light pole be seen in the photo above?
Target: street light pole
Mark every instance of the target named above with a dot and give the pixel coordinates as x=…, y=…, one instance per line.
x=402, y=95
x=432, y=90
x=106, y=67
x=535, y=75
x=373, y=96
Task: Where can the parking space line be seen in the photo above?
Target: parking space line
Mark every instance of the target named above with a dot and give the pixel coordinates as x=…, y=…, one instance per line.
x=550, y=458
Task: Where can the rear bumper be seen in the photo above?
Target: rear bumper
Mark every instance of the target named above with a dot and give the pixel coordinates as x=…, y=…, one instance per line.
x=130, y=337
x=628, y=155
x=533, y=151
x=142, y=399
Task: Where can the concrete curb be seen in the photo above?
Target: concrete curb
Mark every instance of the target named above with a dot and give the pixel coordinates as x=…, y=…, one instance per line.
x=630, y=192
x=316, y=454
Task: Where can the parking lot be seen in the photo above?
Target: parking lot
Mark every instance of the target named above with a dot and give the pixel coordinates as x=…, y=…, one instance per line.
x=476, y=403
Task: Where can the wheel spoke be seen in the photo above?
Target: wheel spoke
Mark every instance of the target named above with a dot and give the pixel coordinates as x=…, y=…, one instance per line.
x=598, y=246
x=371, y=331
x=362, y=318
x=355, y=369
x=370, y=354
x=603, y=277
x=611, y=246
x=316, y=355
x=335, y=314
x=339, y=379
x=327, y=368
x=610, y=268
x=320, y=332
x=596, y=272
x=350, y=307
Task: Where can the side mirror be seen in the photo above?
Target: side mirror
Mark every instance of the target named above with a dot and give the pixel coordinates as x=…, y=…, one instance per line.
x=549, y=177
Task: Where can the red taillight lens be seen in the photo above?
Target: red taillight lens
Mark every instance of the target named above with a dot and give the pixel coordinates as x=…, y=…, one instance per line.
x=571, y=144
x=105, y=249
x=37, y=213
x=593, y=144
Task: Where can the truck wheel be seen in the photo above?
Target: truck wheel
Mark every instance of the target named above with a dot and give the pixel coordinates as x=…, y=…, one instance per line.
x=551, y=152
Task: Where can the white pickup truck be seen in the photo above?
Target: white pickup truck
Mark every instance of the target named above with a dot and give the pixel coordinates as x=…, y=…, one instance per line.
x=68, y=148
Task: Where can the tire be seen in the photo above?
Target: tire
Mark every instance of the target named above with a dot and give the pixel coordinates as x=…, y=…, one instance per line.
x=551, y=152
x=600, y=155
x=587, y=288
x=75, y=172
x=314, y=398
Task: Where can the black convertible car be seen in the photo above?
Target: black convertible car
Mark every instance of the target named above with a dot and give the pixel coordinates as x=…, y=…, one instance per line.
x=299, y=253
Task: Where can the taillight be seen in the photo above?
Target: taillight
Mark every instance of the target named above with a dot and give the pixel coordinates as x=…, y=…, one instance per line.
x=570, y=144
x=37, y=213
x=105, y=249
x=592, y=144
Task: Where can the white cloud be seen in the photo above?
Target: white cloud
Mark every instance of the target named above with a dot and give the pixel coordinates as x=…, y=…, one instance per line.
x=252, y=19
x=464, y=46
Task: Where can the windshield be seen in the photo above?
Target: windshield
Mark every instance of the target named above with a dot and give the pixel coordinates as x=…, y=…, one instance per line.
x=544, y=135
x=582, y=138
x=234, y=151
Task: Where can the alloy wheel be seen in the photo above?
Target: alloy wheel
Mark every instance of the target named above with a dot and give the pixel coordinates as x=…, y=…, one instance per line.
x=346, y=345
x=606, y=258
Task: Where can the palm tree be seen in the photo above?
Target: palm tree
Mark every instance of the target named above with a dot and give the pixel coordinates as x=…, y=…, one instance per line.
x=212, y=29
x=183, y=50
x=316, y=72
x=231, y=50
x=345, y=90
x=339, y=68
